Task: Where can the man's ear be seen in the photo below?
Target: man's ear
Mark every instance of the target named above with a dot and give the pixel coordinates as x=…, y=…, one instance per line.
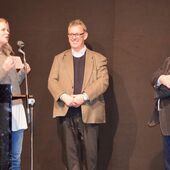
x=85, y=35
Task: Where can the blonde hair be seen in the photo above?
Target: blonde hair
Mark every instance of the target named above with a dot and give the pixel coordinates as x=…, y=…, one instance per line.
x=77, y=22
x=6, y=48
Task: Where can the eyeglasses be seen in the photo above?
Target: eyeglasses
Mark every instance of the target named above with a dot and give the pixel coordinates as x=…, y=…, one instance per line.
x=77, y=35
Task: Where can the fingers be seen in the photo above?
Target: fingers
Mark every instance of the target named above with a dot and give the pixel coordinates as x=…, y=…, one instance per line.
x=165, y=80
x=67, y=99
x=78, y=100
x=27, y=67
x=72, y=100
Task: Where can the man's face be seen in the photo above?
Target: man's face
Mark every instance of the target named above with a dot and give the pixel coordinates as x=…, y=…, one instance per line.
x=76, y=37
x=4, y=33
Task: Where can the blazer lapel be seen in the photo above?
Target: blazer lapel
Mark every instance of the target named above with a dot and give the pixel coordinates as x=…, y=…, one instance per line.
x=88, y=68
x=68, y=61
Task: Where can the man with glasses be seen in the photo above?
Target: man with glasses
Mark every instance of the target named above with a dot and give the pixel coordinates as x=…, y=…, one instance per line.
x=77, y=81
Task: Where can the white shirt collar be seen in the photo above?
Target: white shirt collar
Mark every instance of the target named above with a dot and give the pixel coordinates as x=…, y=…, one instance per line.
x=79, y=53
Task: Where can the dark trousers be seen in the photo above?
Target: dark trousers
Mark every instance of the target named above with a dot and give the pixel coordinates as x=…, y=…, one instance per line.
x=166, y=140
x=80, y=143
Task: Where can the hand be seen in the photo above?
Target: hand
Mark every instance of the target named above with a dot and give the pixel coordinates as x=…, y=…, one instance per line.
x=165, y=80
x=27, y=68
x=78, y=100
x=67, y=99
x=8, y=64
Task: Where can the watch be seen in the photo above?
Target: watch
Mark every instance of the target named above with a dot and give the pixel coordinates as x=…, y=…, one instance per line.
x=85, y=97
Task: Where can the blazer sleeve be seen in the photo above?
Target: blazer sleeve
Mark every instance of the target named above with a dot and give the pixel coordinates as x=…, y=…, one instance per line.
x=100, y=85
x=54, y=85
x=3, y=73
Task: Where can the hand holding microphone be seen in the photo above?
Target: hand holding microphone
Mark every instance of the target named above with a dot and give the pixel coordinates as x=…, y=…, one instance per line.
x=27, y=67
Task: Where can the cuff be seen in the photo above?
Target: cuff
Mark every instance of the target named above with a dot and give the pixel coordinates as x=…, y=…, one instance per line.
x=85, y=97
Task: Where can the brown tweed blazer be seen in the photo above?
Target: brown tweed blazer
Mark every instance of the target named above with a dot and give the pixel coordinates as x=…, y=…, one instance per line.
x=95, y=83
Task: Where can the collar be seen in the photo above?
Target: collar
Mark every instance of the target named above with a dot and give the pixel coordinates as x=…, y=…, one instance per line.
x=79, y=53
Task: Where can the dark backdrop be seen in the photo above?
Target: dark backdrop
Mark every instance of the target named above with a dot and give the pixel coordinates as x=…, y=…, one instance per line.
x=134, y=36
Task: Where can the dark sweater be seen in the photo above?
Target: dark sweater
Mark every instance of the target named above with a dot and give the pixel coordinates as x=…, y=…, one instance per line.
x=79, y=65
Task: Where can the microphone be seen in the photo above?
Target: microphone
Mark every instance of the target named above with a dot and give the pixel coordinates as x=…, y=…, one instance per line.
x=20, y=44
